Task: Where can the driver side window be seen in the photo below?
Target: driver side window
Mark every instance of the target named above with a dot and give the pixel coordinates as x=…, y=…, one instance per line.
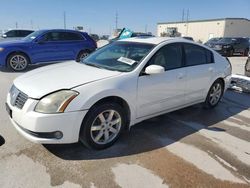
x=169, y=57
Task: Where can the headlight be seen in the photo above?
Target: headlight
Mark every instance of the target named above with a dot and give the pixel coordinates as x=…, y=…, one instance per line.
x=55, y=102
x=1, y=49
x=227, y=46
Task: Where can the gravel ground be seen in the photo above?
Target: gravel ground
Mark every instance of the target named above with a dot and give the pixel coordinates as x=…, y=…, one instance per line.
x=191, y=147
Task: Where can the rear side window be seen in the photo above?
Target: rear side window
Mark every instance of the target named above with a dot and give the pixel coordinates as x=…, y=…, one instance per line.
x=52, y=36
x=169, y=57
x=62, y=36
x=71, y=36
x=196, y=55
x=12, y=33
x=24, y=33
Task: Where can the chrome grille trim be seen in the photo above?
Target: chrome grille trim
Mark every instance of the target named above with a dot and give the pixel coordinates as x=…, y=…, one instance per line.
x=18, y=98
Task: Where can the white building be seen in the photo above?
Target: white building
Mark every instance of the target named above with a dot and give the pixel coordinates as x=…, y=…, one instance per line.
x=205, y=29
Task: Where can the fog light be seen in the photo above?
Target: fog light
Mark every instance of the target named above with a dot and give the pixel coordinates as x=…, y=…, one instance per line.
x=58, y=134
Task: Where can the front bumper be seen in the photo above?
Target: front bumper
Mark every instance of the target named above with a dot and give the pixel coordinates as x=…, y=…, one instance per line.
x=36, y=126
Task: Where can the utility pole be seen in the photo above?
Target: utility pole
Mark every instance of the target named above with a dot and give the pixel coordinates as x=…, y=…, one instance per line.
x=187, y=22
x=16, y=25
x=116, y=20
x=146, y=28
x=183, y=15
x=31, y=24
x=64, y=19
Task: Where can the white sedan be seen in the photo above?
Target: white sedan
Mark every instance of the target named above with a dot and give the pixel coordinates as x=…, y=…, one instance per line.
x=114, y=88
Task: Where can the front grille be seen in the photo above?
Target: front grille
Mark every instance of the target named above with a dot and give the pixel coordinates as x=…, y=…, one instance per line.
x=21, y=100
x=17, y=98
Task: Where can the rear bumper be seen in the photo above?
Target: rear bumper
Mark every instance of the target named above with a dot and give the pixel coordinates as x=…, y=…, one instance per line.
x=227, y=81
x=223, y=52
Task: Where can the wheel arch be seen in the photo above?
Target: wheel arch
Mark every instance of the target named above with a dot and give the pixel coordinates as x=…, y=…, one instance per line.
x=17, y=51
x=221, y=79
x=115, y=99
x=82, y=50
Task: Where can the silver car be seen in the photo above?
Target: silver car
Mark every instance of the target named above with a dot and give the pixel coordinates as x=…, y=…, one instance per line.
x=15, y=34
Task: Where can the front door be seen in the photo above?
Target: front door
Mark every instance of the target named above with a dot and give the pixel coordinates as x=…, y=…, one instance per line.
x=160, y=92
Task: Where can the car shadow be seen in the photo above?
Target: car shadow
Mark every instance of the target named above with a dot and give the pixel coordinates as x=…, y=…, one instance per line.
x=151, y=134
x=2, y=141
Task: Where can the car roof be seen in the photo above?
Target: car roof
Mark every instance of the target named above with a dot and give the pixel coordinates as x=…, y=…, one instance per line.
x=19, y=30
x=65, y=30
x=154, y=40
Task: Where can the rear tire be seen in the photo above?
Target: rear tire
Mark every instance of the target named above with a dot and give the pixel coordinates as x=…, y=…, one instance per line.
x=17, y=62
x=102, y=126
x=246, y=52
x=214, y=94
x=230, y=53
x=82, y=55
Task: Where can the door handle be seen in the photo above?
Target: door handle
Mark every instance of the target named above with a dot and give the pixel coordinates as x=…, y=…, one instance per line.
x=211, y=69
x=180, y=76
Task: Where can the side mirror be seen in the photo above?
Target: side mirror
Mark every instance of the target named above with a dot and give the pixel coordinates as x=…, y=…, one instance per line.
x=154, y=69
x=4, y=36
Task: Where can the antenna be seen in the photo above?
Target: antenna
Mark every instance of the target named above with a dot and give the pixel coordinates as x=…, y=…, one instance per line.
x=64, y=19
x=116, y=20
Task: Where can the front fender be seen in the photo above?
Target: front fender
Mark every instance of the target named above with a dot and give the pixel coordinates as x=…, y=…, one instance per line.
x=86, y=102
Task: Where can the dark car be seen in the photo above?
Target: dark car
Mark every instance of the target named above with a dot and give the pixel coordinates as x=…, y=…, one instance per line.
x=228, y=46
x=188, y=38
x=95, y=37
x=212, y=41
x=46, y=46
x=15, y=34
x=247, y=66
x=127, y=33
x=139, y=34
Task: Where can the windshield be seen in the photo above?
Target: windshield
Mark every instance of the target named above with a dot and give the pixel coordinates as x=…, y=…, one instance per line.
x=227, y=40
x=119, y=56
x=32, y=36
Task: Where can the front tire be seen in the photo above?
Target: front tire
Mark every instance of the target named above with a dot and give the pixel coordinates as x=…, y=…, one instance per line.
x=17, y=62
x=214, y=94
x=102, y=126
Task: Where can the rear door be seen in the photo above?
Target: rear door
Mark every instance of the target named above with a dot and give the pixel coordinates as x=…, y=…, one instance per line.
x=70, y=44
x=200, y=68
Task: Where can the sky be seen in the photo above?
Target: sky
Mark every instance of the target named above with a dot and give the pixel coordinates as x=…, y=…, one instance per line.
x=98, y=16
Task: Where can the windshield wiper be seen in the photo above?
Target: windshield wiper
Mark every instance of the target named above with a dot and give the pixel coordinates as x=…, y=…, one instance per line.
x=94, y=65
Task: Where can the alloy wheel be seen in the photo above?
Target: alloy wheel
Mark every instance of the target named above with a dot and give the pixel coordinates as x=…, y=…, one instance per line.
x=106, y=127
x=83, y=55
x=18, y=62
x=215, y=94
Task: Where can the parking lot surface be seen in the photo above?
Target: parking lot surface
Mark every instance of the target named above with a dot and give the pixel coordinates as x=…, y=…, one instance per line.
x=192, y=147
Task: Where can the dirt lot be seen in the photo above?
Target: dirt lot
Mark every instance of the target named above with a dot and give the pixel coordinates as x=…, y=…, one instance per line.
x=192, y=147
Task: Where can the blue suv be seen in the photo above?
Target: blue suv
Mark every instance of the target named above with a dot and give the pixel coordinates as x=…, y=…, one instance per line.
x=45, y=46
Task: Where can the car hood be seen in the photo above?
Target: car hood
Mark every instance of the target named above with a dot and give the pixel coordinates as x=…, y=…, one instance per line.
x=68, y=75
x=10, y=42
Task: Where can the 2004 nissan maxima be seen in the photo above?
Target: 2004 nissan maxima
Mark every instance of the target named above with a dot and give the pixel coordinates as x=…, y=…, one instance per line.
x=114, y=88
